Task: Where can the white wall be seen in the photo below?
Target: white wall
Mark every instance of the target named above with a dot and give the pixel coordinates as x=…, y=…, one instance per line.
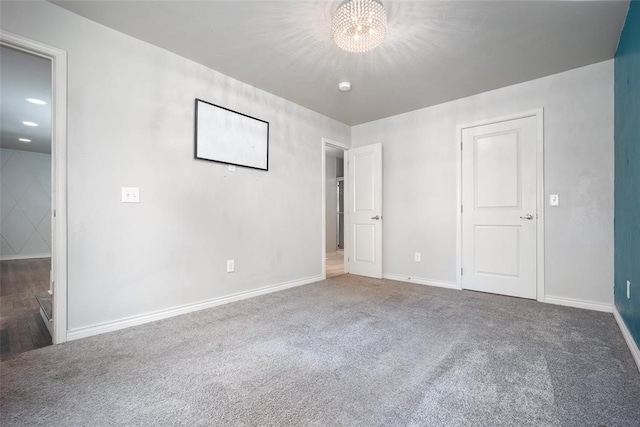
x=419, y=179
x=130, y=123
x=25, y=203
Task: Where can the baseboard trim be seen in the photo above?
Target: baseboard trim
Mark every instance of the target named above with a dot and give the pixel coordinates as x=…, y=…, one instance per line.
x=87, y=331
x=24, y=256
x=633, y=347
x=589, y=305
x=422, y=281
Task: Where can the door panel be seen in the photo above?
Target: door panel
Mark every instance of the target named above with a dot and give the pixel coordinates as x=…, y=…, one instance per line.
x=499, y=208
x=365, y=210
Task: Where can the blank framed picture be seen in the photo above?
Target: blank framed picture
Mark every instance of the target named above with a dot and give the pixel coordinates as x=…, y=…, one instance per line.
x=226, y=136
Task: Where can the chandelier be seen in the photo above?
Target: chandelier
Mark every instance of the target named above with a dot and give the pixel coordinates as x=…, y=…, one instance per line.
x=359, y=25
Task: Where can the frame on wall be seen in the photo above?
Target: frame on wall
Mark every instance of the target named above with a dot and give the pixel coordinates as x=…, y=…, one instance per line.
x=226, y=136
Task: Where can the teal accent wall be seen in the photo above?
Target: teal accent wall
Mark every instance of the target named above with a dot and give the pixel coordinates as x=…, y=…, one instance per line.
x=627, y=171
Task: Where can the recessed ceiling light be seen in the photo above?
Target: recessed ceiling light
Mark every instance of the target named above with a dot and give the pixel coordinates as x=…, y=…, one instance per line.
x=32, y=124
x=24, y=140
x=36, y=101
x=344, y=86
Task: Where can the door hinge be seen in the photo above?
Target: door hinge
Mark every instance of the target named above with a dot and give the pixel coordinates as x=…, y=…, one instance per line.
x=54, y=213
x=462, y=271
x=460, y=145
x=461, y=209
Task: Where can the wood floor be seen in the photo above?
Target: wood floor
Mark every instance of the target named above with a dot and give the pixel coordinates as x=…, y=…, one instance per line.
x=335, y=263
x=21, y=327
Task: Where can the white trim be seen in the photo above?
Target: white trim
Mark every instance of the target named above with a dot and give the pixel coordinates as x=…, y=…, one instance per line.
x=323, y=174
x=539, y=114
x=577, y=303
x=633, y=347
x=422, y=281
x=59, y=172
x=24, y=256
x=127, y=322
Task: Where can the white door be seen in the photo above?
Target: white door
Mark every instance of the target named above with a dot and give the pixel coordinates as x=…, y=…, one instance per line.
x=365, y=210
x=499, y=208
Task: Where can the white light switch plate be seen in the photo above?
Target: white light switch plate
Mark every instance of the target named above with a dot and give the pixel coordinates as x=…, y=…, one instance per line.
x=554, y=200
x=130, y=195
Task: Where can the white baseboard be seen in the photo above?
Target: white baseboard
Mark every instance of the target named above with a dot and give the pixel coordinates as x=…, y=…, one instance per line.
x=24, y=256
x=421, y=281
x=633, y=347
x=577, y=303
x=115, y=325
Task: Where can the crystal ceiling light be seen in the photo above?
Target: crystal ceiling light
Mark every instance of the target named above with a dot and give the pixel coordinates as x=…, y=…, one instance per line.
x=359, y=25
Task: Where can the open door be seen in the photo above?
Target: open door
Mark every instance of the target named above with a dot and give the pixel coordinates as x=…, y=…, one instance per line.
x=365, y=210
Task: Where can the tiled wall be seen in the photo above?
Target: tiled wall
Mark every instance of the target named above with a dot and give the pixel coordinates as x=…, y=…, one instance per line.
x=25, y=204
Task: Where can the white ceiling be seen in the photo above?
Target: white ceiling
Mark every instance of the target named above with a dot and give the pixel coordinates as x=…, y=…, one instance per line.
x=435, y=51
x=24, y=76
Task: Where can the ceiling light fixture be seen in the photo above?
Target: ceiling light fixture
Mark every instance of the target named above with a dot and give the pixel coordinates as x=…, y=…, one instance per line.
x=24, y=140
x=359, y=25
x=32, y=124
x=36, y=101
x=344, y=86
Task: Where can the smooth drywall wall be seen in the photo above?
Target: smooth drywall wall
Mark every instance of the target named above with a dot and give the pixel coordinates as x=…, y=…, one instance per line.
x=627, y=176
x=131, y=124
x=25, y=203
x=420, y=180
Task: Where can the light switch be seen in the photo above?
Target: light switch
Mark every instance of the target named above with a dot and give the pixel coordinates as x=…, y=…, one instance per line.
x=130, y=195
x=554, y=200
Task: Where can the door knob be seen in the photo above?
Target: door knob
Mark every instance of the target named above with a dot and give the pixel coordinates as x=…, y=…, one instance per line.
x=377, y=217
x=527, y=216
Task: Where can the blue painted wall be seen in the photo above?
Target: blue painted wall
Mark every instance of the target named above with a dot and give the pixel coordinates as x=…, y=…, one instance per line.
x=627, y=174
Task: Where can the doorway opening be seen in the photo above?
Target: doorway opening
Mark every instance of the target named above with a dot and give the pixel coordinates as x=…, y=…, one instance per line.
x=334, y=254
x=25, y=198
x=33, y=193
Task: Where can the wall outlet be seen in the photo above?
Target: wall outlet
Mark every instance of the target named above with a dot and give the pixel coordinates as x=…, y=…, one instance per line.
x=231, y=266
x=232, y=168
x=417, y=257
x=130, y=195
x=554, y=200
x=628, y=289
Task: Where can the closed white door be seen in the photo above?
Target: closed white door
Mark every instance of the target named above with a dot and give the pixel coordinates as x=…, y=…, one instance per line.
x=499, y=216
x=365, y=210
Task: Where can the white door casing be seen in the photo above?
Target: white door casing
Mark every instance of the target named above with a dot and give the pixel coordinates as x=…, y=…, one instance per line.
x=326, y=142
x=499, y=207
x=365, y=210
x=59, y=174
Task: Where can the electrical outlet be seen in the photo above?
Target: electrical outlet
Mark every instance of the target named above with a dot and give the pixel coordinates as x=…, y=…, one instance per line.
x=417, y=257
x=628, y=289
x=231, y=266
x=232, y=168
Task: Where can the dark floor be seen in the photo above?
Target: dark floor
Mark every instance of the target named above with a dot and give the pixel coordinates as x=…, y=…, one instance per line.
x=21, y=327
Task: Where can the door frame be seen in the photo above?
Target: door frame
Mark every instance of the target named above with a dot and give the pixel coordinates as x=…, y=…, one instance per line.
x=59, y=264
x=345, y=148
x=540, y=199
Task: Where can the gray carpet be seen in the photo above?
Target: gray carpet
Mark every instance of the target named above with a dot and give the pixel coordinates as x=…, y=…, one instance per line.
x=346, y=351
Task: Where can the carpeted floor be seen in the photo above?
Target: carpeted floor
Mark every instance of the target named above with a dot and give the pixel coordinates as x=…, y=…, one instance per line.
x=346, y=351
